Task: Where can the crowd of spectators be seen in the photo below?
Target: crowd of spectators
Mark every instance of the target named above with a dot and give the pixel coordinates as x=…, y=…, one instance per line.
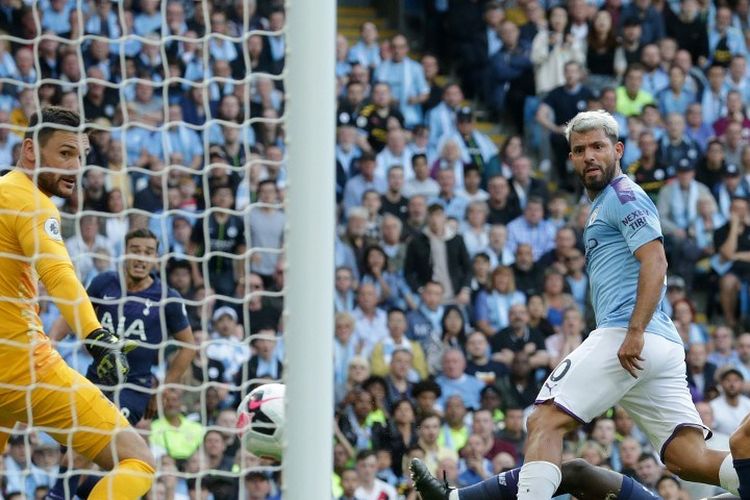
x=461, y=279
x=460, y=271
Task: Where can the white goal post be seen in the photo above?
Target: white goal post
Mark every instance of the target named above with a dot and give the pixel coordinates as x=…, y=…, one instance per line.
x=310, y=77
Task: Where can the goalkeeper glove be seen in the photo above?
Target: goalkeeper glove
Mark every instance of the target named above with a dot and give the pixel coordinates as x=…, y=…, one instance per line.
x=107, y=349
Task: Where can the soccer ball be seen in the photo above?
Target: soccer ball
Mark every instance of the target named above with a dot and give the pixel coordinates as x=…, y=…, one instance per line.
x=260, y=420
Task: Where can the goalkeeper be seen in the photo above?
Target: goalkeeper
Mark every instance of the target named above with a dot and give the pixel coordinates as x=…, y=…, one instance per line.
x=36, y=386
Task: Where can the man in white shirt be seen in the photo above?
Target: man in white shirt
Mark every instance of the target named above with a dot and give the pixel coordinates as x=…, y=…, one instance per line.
x=394, y=153
x=731, y=407
x=370, y=487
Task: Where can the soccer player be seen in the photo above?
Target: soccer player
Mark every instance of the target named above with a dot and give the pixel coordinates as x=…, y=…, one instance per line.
x=139, y=318
x=635, y=354
x=38, y=387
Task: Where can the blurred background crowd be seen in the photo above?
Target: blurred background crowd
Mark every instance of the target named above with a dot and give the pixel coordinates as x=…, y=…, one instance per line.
x=460, y=269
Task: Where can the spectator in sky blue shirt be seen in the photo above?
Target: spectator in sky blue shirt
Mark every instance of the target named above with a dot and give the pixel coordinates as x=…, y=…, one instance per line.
x=675, y=98
x=532, y=228
x=724, y=40
x=454, y=381
x=103, y=21
x=652, y=22
x=366, y=179
x=366, y=51
x=473, y=467
x=56, y=16
x=698, y=130
x=406, y=79
x=149, y=20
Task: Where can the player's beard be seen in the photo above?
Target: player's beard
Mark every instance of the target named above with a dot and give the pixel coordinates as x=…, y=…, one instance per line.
x=49, y=182
x=135, y=276
x=597, y=184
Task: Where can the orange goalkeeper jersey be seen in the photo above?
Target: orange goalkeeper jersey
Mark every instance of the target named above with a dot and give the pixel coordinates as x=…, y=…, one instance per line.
x=31, y=248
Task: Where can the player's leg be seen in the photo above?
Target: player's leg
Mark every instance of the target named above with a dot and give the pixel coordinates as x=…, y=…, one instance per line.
x=661, y=405
x=540, y=474
x=739, y=446
x=567, y=399
x=687, y=455
x=131, y=464
x=132, y=405
x=85, y=419
x=579, y=478
x=588, y=482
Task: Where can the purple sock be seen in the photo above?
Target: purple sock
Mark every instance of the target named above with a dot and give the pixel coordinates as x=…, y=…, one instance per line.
x=631, y=490
x=742, y=466
x=501, y=487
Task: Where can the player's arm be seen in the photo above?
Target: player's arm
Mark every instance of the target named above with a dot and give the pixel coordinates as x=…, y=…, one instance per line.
x=639, y=224
x=180, y=330
x=40, y=240
x=651, y=279
x=183, y=357
x=59, y=329
x=650, y=282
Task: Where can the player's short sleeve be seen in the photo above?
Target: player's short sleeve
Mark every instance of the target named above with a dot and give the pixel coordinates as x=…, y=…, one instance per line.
x=96, y=287
x=634, y=215
x=175, y=313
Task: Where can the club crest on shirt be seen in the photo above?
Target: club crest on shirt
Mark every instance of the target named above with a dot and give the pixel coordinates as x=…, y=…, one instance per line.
x=52, y=228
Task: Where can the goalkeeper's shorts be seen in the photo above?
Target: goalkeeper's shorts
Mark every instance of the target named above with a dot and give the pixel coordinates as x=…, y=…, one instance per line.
x=65, y=405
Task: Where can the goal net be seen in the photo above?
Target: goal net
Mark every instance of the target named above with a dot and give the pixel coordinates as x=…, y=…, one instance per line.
x=198, y=133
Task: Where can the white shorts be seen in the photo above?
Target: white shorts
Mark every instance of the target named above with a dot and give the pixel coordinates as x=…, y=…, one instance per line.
x=590, y=380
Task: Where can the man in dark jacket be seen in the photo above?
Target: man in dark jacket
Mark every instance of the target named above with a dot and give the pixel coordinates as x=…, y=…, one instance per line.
x=439, y=254
x=510, y=76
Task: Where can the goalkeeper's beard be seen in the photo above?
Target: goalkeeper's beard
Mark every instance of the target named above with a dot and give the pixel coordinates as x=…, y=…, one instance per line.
x=49, y=182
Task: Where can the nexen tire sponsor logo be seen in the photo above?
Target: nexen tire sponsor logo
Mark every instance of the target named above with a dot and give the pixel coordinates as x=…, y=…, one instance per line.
x=635, y=219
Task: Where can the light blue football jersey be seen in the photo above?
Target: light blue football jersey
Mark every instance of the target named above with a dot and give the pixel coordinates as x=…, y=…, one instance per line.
x=622, y=219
